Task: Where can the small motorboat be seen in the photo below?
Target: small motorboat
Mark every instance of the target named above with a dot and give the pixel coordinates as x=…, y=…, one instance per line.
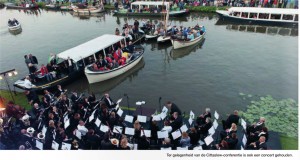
x=14, y=25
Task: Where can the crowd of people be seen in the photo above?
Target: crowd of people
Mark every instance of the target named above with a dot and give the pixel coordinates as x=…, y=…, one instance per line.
x=78, y=122
x=13, y=22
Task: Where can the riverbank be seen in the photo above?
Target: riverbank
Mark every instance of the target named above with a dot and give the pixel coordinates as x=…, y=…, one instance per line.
x=287, y=143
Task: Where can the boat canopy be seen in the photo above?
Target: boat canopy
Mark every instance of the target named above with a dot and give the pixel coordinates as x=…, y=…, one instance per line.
x=263, y=10
x=90, y=47
x=158, y=3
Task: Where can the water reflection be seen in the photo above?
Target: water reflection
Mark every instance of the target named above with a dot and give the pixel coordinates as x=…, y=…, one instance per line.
x=270, y=30
x=100, y=16
x=105, y=86
x=182, y=52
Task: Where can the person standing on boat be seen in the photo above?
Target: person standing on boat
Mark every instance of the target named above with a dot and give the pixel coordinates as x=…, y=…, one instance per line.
x=70, y=65
x=27, y=61
x=27, y=83
x=33, y=60
x=136, y=26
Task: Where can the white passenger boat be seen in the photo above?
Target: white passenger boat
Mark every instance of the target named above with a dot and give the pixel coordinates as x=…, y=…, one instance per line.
x=261, y=16
x=89, y=9
x=14, y=27
x=177, y=43
x=107, y=41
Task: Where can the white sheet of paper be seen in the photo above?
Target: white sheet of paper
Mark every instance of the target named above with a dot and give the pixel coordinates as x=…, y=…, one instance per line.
x=119, y=100
x=44, y=130
x=129, y=131
x=192, y=114
x=198, y=148
x=180, y=148
x=190, y=121
x=67, y=124
x=176, y=134
x=78, y=134
x=244, y=140
x=98, y=122
x=242, y=148
x=166, y=148
x=244, y=124
x=93, y=112
x=130, y=145
x=39, y=145
x=138, y=103
x=167, y=128
x=66, y=118
x=55, y=145
x=118, y=129
x=215, y=124
x=183, y=128
x=163, y=116
x=142, y=119
x=135, y=146
x=120, y=112
x=211, y=131
x=208, y=140
x=117, y=106
x=156, y=118
x=104, y=128
x=147, y=133
x=216, y=115
x=162, y=134
x=91, y=117
x=201, y=142
x=128, y=118
x=65, y=146
x=164, y=110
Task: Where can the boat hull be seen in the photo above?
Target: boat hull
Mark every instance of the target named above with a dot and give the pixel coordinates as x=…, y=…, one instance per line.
x=162, y=39
x=14, y=28
x=247, y=21
x=94, y=77
x=20, y=7
x=88, y=11
x=181, y=44
x=171, y=14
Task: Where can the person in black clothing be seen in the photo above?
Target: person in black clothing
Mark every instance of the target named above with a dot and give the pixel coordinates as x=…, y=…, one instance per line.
x=167, y=143
x=123, y=144
x=136, y=26
x=108, y=101
x=74, y=97
x=232, y=141
x=59, y=91
x=92, y=140
x=32, y=97
x=194, y=136
x=173, y=108
x=177, y=122
x=201, y=119
x=154, y=128
x=258, y=145
x=203, y=129
x=33, y=59
x=233, y=118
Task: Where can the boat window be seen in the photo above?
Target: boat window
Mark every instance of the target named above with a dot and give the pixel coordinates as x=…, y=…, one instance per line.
x=253, y=15
x=263, y=16
x=237, y=14
x=275, y=16
x=287, y=17
x=296, y=17
x=245, y=14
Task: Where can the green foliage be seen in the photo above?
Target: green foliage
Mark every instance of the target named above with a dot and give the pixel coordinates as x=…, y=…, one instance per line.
x=205, y=8
x=288, y=143
x=281, y=115
x=20, y=98
x=41, y=4
x=109, y=6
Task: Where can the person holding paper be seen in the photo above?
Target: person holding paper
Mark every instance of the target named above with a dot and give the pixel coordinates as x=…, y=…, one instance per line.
x=51, y=130
x=108, y=101
x=202, y=117
x=256, y=127
x=137, y=130
x=255, y=136
x=173, y=108
x=185, y=140
x=113, y=120
x=203, y=129
x=177, y=121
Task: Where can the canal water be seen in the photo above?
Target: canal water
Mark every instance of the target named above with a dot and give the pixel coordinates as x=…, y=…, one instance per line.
x=232, y=59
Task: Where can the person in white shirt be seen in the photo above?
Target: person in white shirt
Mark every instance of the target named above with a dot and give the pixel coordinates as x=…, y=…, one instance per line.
x=27, y=83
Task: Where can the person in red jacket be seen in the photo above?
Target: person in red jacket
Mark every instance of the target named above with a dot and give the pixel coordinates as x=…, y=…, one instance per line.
x=44, y=72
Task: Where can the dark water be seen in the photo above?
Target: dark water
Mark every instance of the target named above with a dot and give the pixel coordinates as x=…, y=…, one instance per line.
x=232, y=59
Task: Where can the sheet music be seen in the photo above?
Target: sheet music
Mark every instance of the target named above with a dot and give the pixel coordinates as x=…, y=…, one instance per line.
x=211, y=131
x=176, y=134
x=118, y=129
x=128, y=118
x=156, y=118
x=147, y=133
x=55, y=145
x=201, y=142
x=164, y=110
x=67, y=124
x=183, y=128
x=65, y=146
x=208, y=140
x=180, y=148
x=216, y=115
x=135, y=146
x=117, y=106
x=129, y=131
x=244, y=140
x=120, y=112
x=192, y=115
x=104, y=128
x=163, y=116
x=78, y=134
x=66, y=118
x=44, y=130
x=91, y=117
x=190, y=121
x=119, y=100
x=142, y=119
x=198, y=148
x=167, y=128
x=244, y=124
x=162, y=134
x=215, y=124
x=39, y=145
x=98, y=122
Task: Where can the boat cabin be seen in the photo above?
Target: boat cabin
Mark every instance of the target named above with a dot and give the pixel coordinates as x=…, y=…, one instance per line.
x=273, y=14
x=147, y=5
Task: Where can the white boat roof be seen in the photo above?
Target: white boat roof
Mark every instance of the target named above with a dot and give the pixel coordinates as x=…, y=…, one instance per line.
x=90, y=47
x=150, y=3
x=264, y=10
